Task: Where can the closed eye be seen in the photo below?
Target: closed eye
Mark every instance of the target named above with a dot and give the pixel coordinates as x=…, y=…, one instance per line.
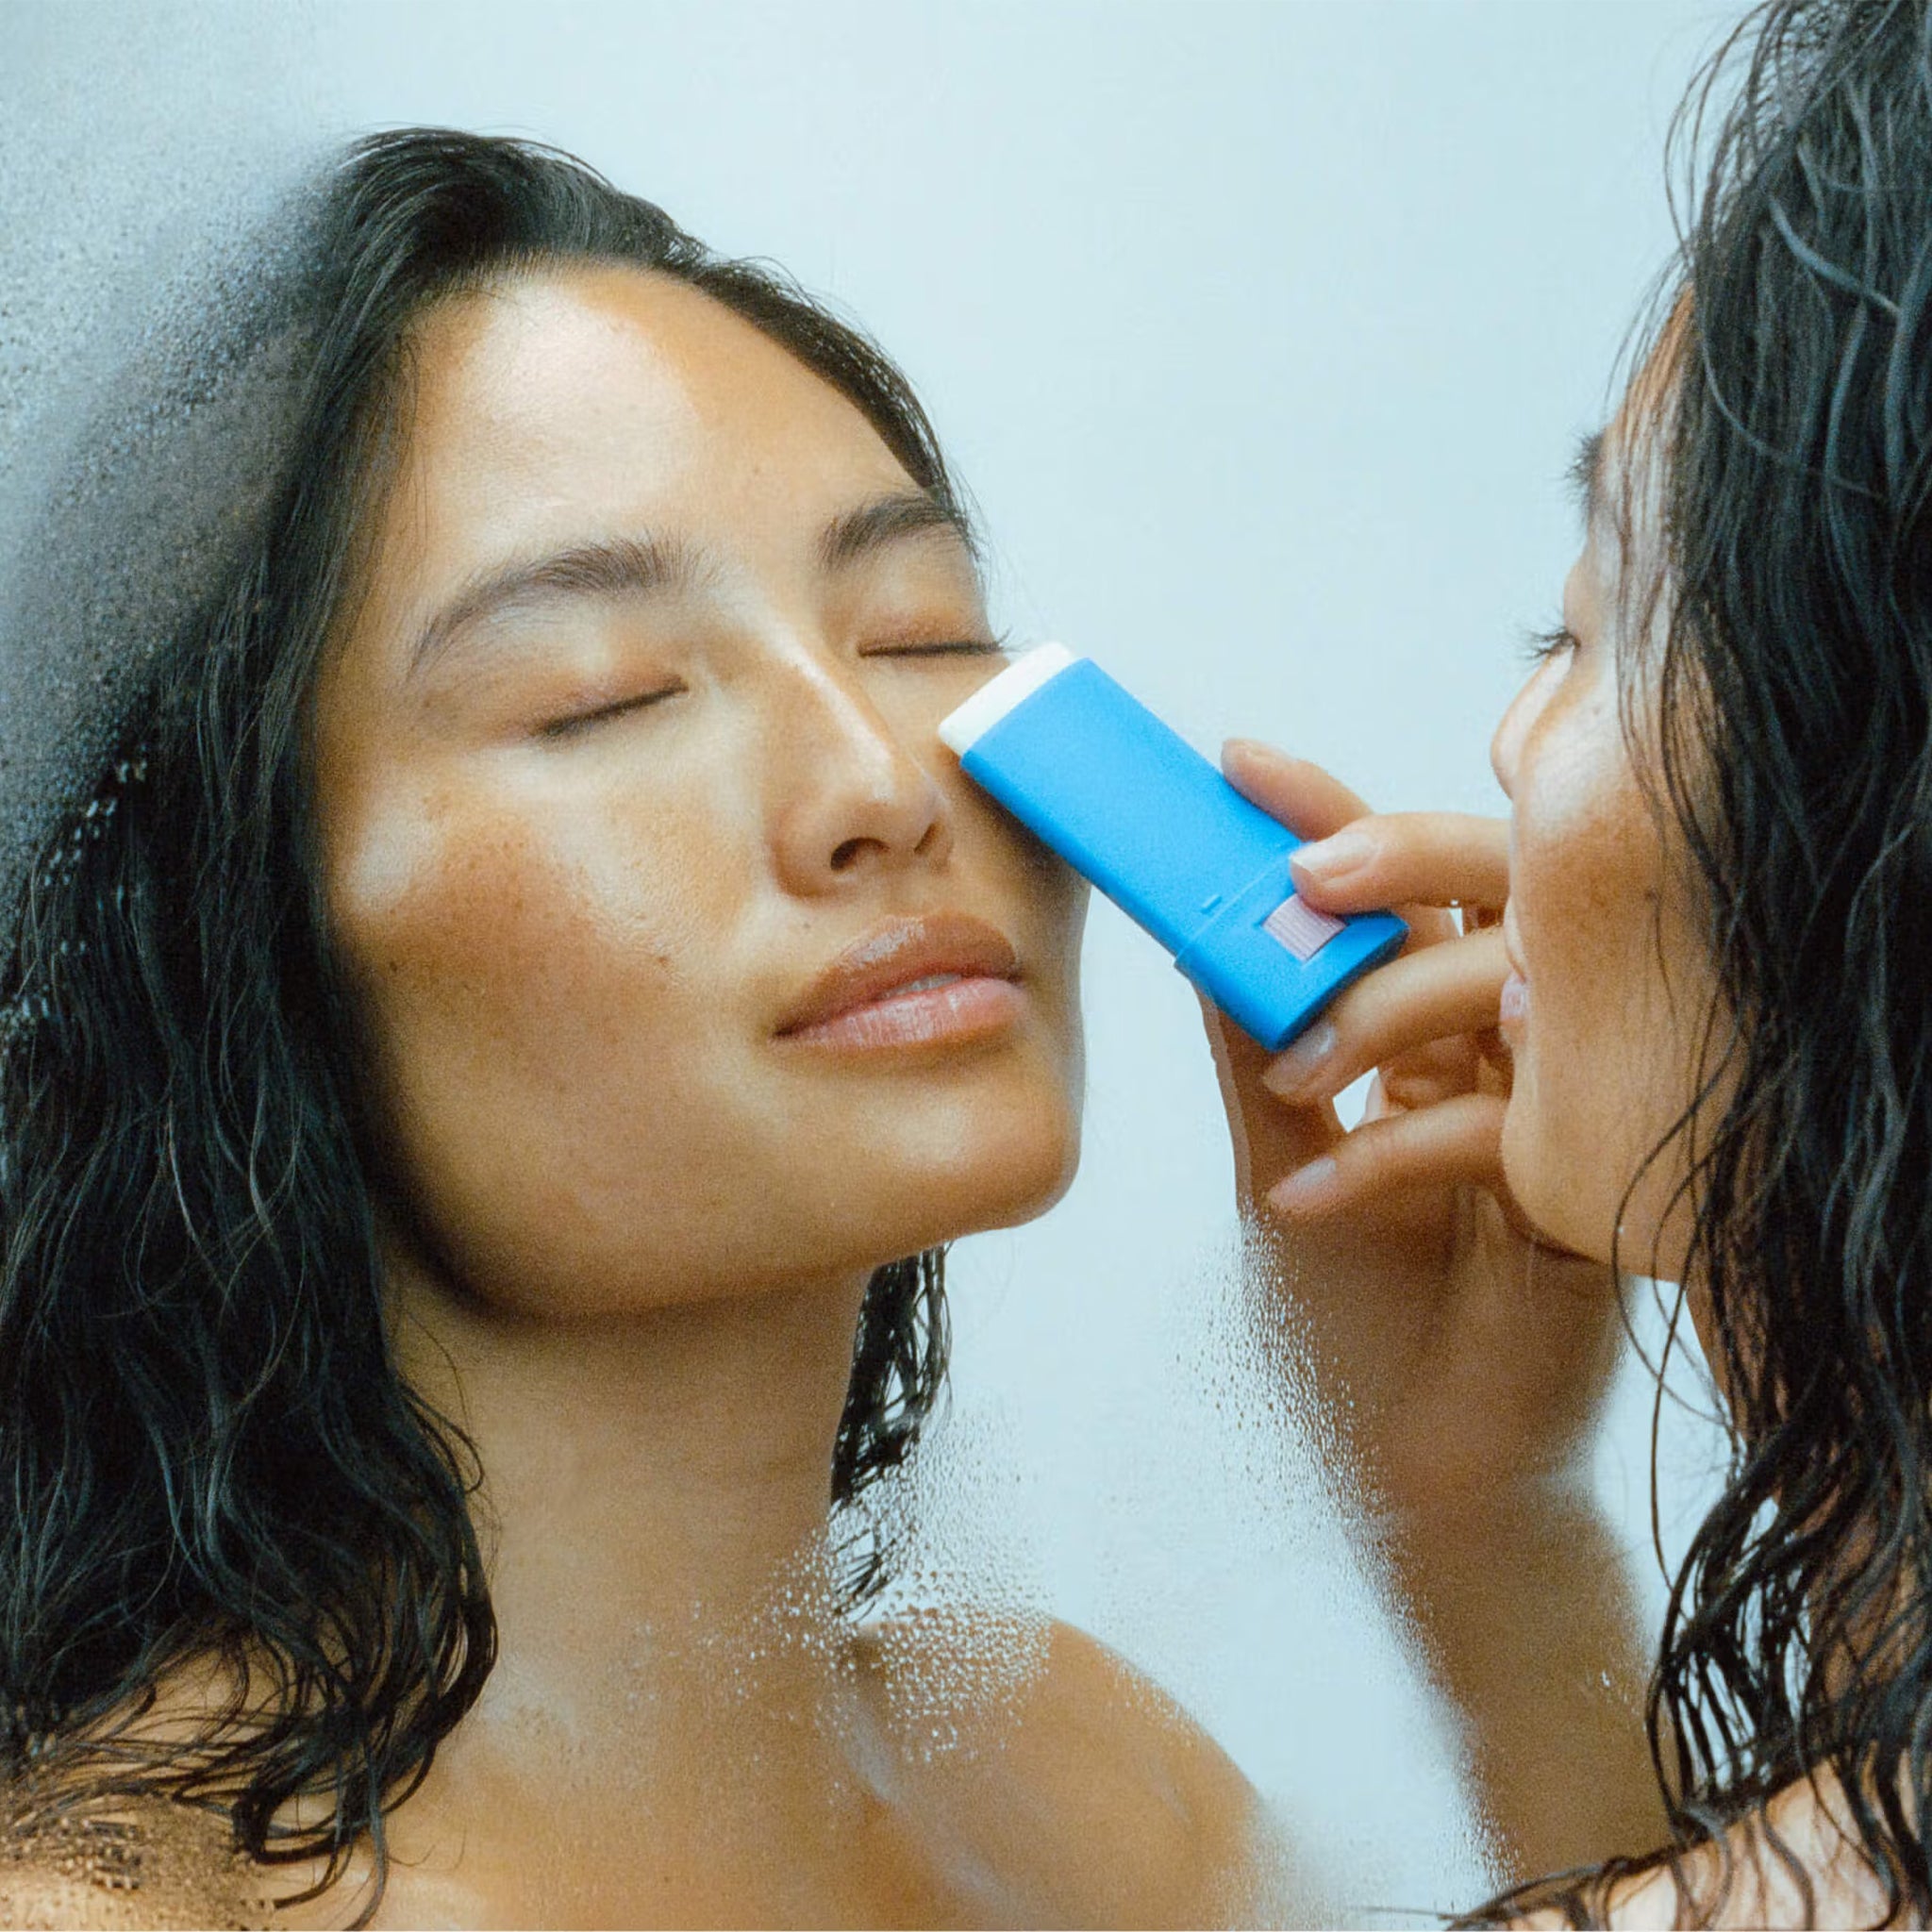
x=943, y=647
x=574, y=723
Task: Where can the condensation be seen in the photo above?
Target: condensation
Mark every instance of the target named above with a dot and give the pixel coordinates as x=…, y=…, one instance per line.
x=141, y=392
x=1209, y=1534
x=141, y=399
x=148, y=1865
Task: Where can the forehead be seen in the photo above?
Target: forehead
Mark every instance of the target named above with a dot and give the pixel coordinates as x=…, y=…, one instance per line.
x=1621, y=480
x=605, y=396
x=1632, y=454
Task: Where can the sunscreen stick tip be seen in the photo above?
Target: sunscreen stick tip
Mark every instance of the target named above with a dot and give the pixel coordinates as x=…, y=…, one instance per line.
x=962, y=728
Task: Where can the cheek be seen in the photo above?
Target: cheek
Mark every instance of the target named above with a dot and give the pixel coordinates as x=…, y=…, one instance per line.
x=1621, y=998
x=534, y=986
x=1043, y=901
x=462, y=910
x=1584, y=873
x=1600, y=1075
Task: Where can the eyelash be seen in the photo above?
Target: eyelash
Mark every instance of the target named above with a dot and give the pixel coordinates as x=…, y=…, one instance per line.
x=950, y=647
x=1541, y=645
x=580, y=720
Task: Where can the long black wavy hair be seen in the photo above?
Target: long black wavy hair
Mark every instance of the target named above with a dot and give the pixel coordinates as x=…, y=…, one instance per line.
x=1793, y=688
x=208, y=1456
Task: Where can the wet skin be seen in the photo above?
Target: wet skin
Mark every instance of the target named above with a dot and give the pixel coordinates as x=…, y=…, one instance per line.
x=1471, y=1351
x=586, y=851
x=1609, y=1005
x=697, y=984
x=1611, y=993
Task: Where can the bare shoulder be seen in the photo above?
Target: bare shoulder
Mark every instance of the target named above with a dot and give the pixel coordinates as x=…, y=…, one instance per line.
x=1093, y=1785
x=1795, y=1864
x=149, y=1864
x=1102, y=1707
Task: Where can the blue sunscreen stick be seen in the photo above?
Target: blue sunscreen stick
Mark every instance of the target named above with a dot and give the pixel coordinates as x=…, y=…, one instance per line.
x=1138, y=811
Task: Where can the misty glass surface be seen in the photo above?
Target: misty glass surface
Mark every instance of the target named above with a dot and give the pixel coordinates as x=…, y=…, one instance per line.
x=1261, y=335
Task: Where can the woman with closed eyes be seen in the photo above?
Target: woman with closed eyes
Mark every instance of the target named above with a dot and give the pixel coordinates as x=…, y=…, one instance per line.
x=492, y=1065
x=496, y=1045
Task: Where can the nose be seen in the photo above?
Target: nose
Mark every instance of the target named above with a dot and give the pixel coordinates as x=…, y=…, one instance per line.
x=1505, y=747
x=849, y=797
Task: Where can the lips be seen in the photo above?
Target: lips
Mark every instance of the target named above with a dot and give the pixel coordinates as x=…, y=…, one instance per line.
x=1513, y=1003
x=945, y=960
x=1512, y=949
x=1512, y=1007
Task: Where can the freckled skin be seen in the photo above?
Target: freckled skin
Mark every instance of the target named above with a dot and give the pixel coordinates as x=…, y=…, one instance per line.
x=580, y=866
x=573, y=952
x=1604, y=922
x=1621, y=996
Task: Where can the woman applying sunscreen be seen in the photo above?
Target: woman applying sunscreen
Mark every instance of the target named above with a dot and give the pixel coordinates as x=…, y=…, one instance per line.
x=1711, y=977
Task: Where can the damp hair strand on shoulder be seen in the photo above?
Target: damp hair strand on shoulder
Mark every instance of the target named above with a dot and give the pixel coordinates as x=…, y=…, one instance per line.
x=1790, y=748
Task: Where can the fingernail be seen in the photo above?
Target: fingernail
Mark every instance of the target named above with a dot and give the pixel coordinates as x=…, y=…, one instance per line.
x=1293, y=1070
x=1333, y=858
x=1246, y=748
x=1308, y=1187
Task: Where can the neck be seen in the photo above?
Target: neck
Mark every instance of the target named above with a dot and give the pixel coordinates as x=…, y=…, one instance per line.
x=651, y=1483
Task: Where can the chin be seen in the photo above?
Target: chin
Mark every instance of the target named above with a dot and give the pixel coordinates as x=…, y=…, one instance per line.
x=1545, y=1187
x=1010, y=1176
x=1042, y=1190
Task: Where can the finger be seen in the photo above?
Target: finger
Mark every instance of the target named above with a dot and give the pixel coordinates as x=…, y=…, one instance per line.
x=1420, y=997
x=1313, y=804
x=1442, y=1071
x=1403, y=1093
x=1435, y=858
x=1302, y=796
x=1457, y=1143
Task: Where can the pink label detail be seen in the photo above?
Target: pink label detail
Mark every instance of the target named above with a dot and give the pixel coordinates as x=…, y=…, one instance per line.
x=1300, y=928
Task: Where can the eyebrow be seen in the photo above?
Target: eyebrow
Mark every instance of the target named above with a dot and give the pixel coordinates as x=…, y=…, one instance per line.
x=1585, y=477
x=862, y=532
x=615, y=568
x=620, y=568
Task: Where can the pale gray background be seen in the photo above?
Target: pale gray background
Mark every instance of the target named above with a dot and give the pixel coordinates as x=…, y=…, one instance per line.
x=1261, y=334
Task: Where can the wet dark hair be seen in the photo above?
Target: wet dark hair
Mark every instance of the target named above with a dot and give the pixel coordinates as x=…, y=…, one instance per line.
x=1794, y=761
x=207, y=1452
